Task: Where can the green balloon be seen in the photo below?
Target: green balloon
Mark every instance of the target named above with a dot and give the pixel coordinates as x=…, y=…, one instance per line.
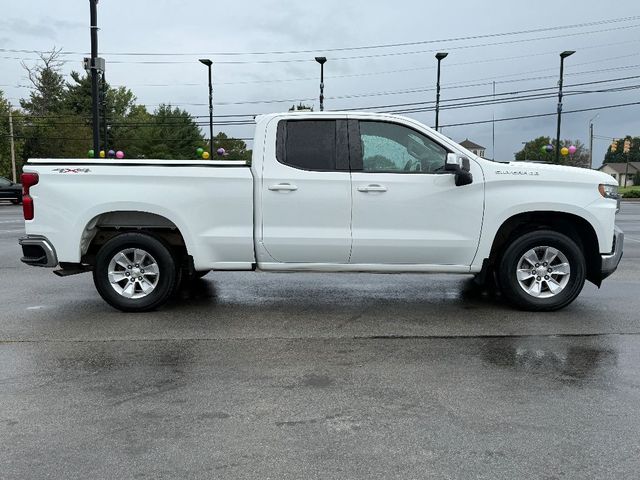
x=91, y=154
x=199, y=151
x=544, y=149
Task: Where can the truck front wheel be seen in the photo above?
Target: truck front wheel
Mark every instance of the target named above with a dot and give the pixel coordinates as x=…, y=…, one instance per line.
x=542, y=271
x=135, y=272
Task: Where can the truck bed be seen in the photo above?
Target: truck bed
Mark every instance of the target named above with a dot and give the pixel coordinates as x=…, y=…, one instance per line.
x=209, y=203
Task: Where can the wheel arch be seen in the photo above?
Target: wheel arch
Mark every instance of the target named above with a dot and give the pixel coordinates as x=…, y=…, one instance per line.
x=571, y=225
x=103, y=226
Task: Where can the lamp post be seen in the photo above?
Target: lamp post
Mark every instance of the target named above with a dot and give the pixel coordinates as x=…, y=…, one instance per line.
x=321, y=61
x=209, y=63
x=439, y=57
x=591, y=140
x=563, y=55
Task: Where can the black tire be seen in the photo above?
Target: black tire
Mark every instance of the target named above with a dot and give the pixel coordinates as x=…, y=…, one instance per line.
x=166, y=281
x=510, y=263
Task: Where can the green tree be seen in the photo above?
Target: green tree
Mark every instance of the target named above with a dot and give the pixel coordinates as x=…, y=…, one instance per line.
x=301, y=106
x=49, y=128
x=619, y=156
x=235, y=149
x=534, y=150
x=169, y=133
x=119, y=101
x=134, y=135
x=5, y=142
x=47, y=94
x=56, y=120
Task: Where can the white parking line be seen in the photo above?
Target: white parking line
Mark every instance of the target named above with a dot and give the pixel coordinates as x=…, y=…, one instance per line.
x=11, y=221
x=12, y=231
x=632, y=239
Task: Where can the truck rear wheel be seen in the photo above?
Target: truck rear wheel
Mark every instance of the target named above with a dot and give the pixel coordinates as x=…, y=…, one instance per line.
x=135, y=272
x=542, y=271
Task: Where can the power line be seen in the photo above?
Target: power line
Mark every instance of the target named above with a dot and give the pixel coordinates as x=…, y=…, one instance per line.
x=476, y=101
x=477, y=122
x=360, y=47
x=523, y=117
x=356, y=57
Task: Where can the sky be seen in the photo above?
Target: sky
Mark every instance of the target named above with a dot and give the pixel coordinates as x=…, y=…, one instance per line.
x=153, y=47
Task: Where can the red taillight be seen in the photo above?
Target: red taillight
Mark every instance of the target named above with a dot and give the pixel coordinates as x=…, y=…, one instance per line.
x=28, y=180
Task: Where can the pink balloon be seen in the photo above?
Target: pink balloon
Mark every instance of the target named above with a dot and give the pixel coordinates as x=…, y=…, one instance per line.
x=572, y=149
x=119, y=154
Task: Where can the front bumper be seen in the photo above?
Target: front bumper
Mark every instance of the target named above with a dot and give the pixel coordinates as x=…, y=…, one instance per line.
x=37, y=251
x=610, y=262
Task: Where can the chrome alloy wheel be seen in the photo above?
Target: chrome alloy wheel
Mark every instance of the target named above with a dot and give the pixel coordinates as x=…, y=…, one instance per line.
x=133, y=273
x=543, y=272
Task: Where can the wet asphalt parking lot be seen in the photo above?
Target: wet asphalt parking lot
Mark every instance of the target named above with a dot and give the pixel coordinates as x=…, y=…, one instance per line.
x=252, y=375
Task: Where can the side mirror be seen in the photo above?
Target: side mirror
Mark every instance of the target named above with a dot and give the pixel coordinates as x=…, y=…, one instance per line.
x=455, y=163
x=461, y=167
x=463, y=178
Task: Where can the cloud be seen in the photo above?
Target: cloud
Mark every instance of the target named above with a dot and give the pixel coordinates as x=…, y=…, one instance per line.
x=50, y=29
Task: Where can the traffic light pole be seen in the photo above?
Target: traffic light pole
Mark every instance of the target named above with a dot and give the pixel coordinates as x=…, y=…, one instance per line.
x=626, y=170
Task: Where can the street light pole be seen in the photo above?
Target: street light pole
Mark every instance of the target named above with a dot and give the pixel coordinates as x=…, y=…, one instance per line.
x=439, y=57
x=209, y=63
x=591, y=140
x=93, y=4
x=321, y=61
x=563, y=55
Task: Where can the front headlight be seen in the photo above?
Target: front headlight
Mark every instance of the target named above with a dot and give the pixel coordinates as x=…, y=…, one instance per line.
x=609, y=191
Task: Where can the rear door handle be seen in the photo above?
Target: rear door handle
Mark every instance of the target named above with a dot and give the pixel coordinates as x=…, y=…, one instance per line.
x=373, y=188
x=287, y=187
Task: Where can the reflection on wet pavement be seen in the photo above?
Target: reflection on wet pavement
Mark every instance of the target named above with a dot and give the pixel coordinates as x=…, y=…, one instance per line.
x=556, y=358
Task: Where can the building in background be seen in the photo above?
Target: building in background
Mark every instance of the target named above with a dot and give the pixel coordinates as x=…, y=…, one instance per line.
x=617, y=171
x=474, y=147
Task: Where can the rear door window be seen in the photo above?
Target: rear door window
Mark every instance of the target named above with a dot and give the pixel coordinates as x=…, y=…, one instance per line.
x=313, y=144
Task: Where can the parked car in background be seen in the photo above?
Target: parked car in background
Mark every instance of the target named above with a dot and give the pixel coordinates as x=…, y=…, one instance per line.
x=10, y=191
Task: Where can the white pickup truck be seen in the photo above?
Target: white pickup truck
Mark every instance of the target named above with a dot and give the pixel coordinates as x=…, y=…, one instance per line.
x=324, y=192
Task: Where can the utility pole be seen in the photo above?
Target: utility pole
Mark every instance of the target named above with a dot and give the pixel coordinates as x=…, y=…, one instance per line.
x=93, y=4
x=13, y=147
x=590, y=145
x=563, y=55
x=104, y=112
x=591, y=141
x=493, y=126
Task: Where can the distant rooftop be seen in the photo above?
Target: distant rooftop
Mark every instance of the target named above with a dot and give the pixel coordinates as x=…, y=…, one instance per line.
x=469, y=145
x=621, y=167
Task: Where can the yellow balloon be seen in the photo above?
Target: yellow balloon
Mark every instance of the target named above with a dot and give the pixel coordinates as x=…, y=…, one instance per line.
x=102, y=154
x=564, y=151
x=205, y=155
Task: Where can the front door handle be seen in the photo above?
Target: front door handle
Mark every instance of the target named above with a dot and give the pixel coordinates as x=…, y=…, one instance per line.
x=287, y=187
x=373, y=188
